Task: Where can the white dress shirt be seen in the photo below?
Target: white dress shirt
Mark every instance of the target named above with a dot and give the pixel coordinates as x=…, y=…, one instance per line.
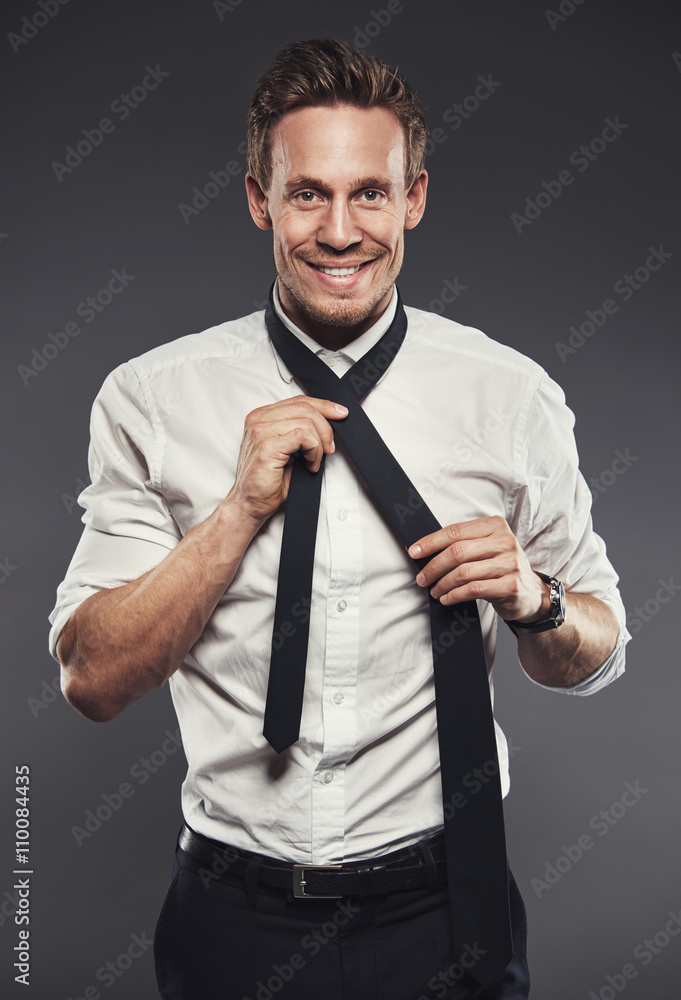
x=479, y=429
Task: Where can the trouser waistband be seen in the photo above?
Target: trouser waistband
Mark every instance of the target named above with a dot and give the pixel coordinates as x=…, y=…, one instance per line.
x=421, y=865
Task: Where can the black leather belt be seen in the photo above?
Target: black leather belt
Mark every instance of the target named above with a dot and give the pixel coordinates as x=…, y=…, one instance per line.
x=414, y=867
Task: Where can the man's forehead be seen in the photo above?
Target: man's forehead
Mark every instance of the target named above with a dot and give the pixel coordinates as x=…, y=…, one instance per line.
x=368, y=142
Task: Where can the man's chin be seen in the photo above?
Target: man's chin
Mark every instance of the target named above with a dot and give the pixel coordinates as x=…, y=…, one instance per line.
x=341, y=314
x=341, y=311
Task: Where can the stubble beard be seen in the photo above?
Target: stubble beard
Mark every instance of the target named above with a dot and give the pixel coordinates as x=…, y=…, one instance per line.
x=343, y=311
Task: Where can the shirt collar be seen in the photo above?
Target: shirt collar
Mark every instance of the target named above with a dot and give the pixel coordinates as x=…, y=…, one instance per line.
x=353, y=351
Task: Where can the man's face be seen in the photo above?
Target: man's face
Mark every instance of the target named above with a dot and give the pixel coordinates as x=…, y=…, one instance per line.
x=337, y=203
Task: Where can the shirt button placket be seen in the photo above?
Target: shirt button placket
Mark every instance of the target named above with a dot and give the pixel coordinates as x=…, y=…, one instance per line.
x=341, y=651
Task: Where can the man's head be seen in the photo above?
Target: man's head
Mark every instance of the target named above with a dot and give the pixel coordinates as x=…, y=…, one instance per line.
x=336, y=151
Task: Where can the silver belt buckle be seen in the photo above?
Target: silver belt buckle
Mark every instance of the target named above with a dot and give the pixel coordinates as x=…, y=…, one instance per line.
x=299, y=881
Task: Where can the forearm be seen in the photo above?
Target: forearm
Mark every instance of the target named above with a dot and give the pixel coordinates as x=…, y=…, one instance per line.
x=567, y=655
x=119, y=644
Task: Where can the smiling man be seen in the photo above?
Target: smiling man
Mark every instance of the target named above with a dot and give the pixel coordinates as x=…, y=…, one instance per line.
x=327, y=633
x=338, y=231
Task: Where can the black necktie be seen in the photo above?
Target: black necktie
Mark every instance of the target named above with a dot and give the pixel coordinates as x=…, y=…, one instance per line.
x=474, y=822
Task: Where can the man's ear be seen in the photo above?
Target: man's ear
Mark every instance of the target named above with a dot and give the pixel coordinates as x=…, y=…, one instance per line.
x=416, y=201
x=257, y=203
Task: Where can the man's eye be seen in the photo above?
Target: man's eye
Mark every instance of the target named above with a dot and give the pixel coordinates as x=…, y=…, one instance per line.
x=372, y=196
x=306, y=196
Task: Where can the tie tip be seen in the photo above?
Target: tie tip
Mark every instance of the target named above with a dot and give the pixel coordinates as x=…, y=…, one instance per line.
x=279, y=745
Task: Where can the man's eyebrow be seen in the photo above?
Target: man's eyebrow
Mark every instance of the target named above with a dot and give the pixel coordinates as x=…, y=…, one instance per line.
x=373, y=182
x=359, y=183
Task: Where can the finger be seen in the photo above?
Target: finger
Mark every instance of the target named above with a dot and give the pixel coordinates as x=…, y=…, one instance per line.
x=466, y=556
x=280, y=442
x=475, y=575
x=328, y=409
x=438, y=540
x=318, y=411
x=298, y=406
x=458, y=554
x=494, y=590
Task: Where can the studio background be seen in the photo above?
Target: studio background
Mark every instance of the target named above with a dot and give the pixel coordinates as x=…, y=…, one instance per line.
x=483, y=256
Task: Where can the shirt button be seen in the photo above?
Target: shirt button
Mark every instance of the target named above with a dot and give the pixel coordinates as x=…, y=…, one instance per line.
x=331, y=362
x=341, y=514
x=339, y=698
x=342, y=605
x=328, y=777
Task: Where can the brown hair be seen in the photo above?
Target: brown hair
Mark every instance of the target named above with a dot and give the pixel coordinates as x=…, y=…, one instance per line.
x=324, y=71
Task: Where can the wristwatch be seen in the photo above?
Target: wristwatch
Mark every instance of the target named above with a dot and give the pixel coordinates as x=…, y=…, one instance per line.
x=556, y=614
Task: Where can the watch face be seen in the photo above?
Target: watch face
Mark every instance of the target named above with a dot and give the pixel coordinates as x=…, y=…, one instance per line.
x=560, y=616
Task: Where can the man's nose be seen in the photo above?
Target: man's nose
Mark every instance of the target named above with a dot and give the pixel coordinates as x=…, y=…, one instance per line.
x=338, y=227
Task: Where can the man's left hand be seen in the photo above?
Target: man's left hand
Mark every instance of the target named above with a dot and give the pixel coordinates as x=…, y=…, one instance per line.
x=482, y=559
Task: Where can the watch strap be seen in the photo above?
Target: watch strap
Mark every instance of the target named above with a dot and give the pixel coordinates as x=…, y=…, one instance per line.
x=556, y=613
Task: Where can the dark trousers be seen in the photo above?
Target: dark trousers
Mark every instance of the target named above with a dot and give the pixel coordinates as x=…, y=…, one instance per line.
x=218, y=938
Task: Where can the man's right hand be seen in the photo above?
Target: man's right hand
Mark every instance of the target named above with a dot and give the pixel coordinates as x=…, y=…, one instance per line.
x=121, y=643
x=273, y=434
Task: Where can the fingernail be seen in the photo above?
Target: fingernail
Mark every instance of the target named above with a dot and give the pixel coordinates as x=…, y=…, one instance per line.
x=341, y=409
x=415, y=551
x=333, y=446
x=421, y=579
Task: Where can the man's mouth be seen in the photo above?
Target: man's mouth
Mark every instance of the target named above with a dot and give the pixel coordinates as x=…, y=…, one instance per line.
x=339, y=272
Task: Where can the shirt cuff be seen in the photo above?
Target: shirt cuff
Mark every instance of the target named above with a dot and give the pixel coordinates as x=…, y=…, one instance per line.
x=608, y=671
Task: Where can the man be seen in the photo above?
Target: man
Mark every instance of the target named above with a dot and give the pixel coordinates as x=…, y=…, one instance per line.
x=175, y=578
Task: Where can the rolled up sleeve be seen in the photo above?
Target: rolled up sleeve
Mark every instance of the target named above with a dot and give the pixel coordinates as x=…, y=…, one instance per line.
x=128, y=526
x=551, y=518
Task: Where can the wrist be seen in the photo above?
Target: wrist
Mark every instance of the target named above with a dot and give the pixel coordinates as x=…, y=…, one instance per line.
x=235, y=514
x=544, y=609
x=544, y=619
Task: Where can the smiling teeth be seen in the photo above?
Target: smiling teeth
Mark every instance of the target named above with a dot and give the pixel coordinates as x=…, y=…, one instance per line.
x=338, y=271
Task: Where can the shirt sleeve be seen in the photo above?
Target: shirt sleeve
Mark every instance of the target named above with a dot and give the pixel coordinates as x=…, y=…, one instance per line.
x=128, y=526
x=551, y=517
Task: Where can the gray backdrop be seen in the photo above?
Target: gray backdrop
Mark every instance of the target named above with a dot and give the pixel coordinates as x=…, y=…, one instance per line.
x=531, y=269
